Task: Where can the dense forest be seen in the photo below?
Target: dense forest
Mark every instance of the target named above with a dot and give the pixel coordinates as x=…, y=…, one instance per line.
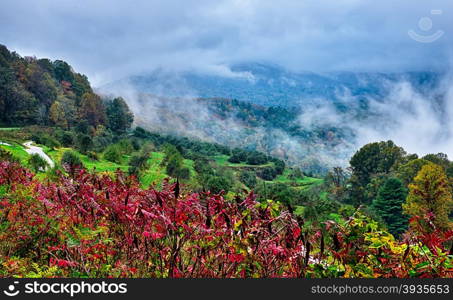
x=43, y=92
x=124, y=201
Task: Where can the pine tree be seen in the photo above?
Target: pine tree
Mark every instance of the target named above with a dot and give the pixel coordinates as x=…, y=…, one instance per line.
x=388, y=205
x=430, y=196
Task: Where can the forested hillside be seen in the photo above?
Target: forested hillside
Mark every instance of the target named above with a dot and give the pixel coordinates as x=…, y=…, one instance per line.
x=85, y=192
x=43, y=92
x=267, y=84
x=276, y=131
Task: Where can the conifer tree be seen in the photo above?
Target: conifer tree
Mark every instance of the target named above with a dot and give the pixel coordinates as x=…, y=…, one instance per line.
x=388, y=205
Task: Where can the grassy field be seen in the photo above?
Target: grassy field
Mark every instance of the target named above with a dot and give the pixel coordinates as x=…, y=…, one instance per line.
x=10, y=128
x=297, y=182
x=100, y=165
x=300, y=183
x=17, y=151
x=13, y=135
x=155, y=174
x=151, y=177
x=222, y=160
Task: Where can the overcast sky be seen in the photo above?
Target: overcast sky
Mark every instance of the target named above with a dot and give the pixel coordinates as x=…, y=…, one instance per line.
x=108, y=39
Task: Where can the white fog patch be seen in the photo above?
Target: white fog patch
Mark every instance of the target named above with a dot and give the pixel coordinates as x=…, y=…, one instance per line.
x=420, y=123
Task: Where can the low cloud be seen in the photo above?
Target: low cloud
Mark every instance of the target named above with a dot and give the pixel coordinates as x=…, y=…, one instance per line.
x=420, y=122
x=110, y=39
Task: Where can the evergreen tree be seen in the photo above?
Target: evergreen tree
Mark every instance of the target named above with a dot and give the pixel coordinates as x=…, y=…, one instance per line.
x=388, y=205
x=119, y=116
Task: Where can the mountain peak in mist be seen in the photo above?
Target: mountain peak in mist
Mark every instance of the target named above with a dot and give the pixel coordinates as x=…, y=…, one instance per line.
x=270, y=85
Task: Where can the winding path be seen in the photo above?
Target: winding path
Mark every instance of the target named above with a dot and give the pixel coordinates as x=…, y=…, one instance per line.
x=30, y=149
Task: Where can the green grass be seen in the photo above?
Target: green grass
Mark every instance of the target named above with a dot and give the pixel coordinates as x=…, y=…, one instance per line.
x=17, y=151
x=222, y=160
x=100, y=165
x=10, y=128
x=324, y=195
x=301, y=183
x=190, y=164
x=299, y=210
x=155, y=173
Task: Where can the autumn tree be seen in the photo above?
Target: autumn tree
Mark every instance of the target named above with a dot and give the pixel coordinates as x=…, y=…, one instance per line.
x=92, y=109
x=430, y=197
x=57, y=115
x=335, y=181
x=407, y=172
x=30, y=89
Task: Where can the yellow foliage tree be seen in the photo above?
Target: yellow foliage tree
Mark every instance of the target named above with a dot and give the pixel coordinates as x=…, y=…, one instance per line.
x=92, y=110
x=57, y=115
x=429, y=193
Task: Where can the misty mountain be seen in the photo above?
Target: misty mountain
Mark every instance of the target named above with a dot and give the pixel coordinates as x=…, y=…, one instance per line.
x=314, y=121
x=272, y=85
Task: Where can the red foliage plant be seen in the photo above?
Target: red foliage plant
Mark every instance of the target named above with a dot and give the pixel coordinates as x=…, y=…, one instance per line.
x=107, y=226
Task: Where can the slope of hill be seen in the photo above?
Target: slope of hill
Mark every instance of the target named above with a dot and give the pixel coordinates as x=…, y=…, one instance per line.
x=313, y=121
x=276, y=131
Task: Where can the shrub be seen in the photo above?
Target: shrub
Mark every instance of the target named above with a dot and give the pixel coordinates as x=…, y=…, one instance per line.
x=140, y=132
x=138, y=163
x=256, y=158
x=100, y=226
x=93, y=155
x=216, y=184
x=280, y=167
x=71, y=162
x=67, y=139
x=267, y=173
x=45, y=139
x=100, y=143
x=248, y=178
x=37, y=163
x=125, y=146
x=296, y=173
x=113, y=154
x=184, y=173
x=84, y=142
x=238, y=156
x=7, y=156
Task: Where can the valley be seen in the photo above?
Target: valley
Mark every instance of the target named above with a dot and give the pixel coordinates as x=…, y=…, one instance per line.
x=99, y=185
